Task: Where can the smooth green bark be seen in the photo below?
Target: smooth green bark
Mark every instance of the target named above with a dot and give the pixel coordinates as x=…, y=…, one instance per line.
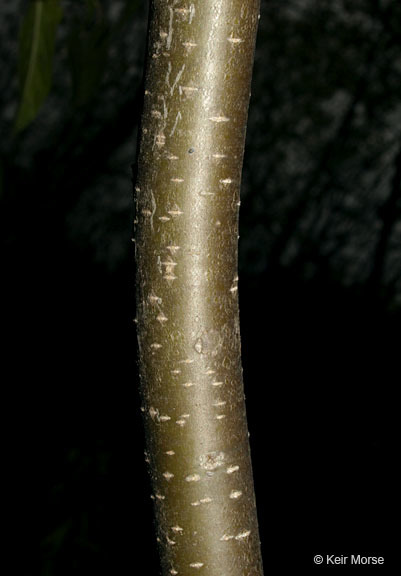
x=197, y=91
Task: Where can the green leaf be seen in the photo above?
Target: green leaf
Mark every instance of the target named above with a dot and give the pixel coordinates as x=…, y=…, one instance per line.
x=88, y=51
x=36, y=50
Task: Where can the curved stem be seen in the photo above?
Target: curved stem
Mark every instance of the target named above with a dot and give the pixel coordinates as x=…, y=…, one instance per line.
x=197, y=90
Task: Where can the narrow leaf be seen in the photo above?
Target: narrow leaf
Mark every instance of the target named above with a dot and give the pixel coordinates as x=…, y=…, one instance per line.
x=36, y=50
x=88, y=54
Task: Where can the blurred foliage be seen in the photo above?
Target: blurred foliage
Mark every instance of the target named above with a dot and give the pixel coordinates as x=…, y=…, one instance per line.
x=36, y=49
x=327, y=106
x=89, y=37
x=88, y=47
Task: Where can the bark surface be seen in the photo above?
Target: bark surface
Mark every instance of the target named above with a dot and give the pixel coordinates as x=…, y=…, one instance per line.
x=197, y=88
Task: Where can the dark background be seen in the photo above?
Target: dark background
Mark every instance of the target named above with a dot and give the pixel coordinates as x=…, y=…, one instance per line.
x=320, y=288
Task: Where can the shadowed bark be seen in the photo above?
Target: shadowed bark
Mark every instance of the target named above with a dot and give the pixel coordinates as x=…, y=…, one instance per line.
x=197, y=89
